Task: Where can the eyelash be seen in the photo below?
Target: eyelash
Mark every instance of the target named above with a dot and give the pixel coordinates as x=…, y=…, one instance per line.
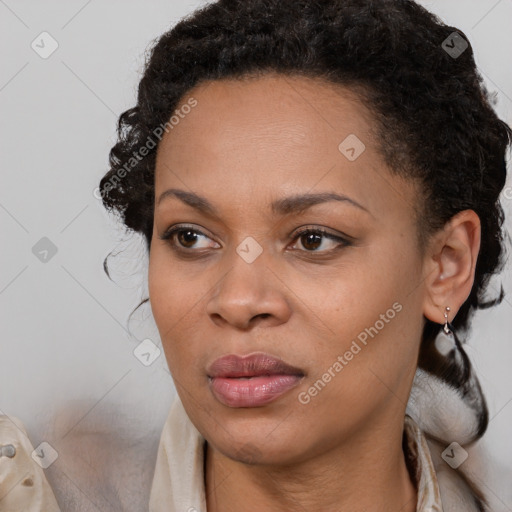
x=169, y=237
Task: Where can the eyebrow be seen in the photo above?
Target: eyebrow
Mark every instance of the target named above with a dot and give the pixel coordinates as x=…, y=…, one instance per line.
x=285, y=206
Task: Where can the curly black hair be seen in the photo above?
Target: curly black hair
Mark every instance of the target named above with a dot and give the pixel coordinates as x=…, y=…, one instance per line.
x=436, y=123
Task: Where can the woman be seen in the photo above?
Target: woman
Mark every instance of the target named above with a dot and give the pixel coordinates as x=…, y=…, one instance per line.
x=318, y=185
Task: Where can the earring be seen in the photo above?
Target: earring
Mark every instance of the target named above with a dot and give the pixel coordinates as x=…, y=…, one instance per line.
x=446, y=329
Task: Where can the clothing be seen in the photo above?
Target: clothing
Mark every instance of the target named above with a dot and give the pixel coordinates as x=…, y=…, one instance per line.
x=23, y=485
x=178, y=483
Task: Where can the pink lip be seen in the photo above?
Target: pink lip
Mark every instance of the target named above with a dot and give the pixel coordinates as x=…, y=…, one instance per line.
x=251, y=381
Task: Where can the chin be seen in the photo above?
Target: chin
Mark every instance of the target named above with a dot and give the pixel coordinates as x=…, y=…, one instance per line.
x=253, y=441
x=256, y=452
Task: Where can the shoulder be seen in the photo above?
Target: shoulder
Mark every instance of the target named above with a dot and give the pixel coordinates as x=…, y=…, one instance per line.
x=24, y=484
x=105, y=460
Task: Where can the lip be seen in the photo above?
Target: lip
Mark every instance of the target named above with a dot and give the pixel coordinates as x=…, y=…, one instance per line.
x=251, y=381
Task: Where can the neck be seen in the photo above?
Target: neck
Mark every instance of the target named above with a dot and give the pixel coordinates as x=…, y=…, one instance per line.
x=365, y=473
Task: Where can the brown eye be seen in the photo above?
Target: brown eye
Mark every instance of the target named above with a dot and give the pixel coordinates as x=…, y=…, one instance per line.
x=185, y=238
x=312, y=239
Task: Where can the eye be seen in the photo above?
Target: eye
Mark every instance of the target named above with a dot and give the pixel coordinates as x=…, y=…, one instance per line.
x=311, y=240
x=184, y=238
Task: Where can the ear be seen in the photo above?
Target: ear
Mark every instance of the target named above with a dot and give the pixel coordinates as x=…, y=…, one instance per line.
x=449, y=264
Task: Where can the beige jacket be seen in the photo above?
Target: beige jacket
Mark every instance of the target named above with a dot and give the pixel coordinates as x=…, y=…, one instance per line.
x=23, y=485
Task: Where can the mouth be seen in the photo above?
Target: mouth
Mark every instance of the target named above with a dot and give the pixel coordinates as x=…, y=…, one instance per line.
x=251, y=381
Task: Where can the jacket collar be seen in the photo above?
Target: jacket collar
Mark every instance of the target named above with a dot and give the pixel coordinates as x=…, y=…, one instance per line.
x=419, y=462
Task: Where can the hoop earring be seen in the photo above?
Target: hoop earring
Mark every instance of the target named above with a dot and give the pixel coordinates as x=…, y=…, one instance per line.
x=447, y=329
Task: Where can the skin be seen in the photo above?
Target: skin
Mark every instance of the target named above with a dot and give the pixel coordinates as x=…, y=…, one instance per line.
x=246, y=144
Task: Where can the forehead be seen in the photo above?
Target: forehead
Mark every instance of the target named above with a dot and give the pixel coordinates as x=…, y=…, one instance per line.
x=287, y=134
x=292, y=121
x=307, y=107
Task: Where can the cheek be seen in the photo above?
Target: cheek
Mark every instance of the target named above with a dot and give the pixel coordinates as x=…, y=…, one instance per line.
x=160, y=286
x=176, y=303
x=167, y=303
x=170, y=292
x=372, y=313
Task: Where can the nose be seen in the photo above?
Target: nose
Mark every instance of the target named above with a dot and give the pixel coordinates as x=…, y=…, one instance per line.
x=248, y=294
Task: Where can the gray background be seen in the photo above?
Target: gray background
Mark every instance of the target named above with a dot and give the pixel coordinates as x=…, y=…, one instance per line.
x=67, y=368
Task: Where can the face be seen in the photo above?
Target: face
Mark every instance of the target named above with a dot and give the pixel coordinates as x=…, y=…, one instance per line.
x=288, y=297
